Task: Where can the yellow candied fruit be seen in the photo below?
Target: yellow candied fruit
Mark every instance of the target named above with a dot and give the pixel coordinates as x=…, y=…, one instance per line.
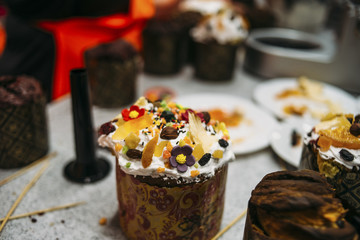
x=188, y=141
x=198, y=151
x=217, y=154
x=169, y=147
x=324, y=143
x=181, y=159
x=132, y=126
x=159, y=148
x=160, y=169
x=195, y=173
x=222, y=127
x=171, y=105
x=341, y=137
x=148, y=152
x=118, y=147
x=160, y=109
x=182, y=143
x=132, y=140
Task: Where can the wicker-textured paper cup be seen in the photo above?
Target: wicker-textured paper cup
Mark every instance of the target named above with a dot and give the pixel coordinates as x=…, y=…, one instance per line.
x=112, y=70
x=164, y=47
x=214, y=62
x=189, y=211
x=23, y=134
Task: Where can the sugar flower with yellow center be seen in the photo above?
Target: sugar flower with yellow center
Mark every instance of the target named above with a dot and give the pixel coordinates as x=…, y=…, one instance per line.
x=133, y=113
x=182, y=158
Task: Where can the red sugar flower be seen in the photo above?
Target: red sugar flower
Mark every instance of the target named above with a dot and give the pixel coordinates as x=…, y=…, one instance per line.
x=133, y=113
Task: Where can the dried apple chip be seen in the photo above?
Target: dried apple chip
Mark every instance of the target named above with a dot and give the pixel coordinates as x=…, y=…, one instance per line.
x=132, y=126
x=148, y=152
x=159, y=148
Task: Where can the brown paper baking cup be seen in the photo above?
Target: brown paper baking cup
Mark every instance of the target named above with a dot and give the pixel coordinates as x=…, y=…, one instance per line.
x=192, y=211
x=215, y=62
x=112, y=81
x=23, y=134
x=346, y=182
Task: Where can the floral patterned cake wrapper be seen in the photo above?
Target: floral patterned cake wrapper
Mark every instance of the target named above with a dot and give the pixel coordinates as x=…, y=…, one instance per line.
x=192, y=211
x=346, y=182
x=23, y=134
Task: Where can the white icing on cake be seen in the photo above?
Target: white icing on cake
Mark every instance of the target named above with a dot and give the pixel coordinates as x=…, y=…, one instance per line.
x=136, y=167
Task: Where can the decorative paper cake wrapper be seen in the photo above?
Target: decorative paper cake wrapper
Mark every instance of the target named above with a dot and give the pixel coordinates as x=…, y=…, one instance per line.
x=214, y=62
x=346, y=182
x=164, y=53
x=149, y=212
x=23, y=134
x=112, y=82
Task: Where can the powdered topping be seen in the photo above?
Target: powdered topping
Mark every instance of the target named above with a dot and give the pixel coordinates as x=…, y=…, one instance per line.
x=225, y=27
x=164, y=138
x=334, y=139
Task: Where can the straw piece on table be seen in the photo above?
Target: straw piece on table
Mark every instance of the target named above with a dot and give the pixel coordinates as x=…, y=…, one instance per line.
x=25, y=190
x=229, y=226
x=45, y=210
x=27, y=168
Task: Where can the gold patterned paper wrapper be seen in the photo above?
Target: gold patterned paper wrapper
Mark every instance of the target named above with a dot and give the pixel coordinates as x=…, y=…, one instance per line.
x=346, y=181
x=193, y=211
x=23, y=134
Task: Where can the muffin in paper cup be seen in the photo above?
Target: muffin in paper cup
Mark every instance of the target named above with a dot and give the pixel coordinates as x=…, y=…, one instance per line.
x=333, y=149
x=164, y=46
x=112, y=70
x=171, y=170
x=296, y=205
x=23, y=122
x=217, y=38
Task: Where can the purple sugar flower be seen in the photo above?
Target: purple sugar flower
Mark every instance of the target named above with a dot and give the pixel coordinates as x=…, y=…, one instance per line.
x=181, y=157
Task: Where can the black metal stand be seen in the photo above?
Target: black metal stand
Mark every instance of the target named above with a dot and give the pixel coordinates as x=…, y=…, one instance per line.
x=86, y=168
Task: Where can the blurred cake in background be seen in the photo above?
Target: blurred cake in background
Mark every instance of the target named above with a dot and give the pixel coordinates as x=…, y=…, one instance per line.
x=164, y=45
x=112, y=71
x=333, y=149
x=191, y=12
x=171, y=170
x=296, y=205
x=23, y=122
x=217, y=38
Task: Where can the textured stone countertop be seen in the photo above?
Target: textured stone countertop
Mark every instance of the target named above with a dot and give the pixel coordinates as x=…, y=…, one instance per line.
x=82, y=222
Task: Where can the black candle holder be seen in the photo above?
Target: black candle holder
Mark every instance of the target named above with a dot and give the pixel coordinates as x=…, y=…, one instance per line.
x=86, y=168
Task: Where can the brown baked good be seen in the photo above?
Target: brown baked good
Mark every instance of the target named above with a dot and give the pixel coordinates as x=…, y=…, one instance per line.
x=23, y=123
x=296, y=205
x=171, y=170
x=112, y=70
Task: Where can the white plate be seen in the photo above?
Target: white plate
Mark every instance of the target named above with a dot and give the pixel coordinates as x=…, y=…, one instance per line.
x=265, y=94
x=252, y=134
x=281, y=141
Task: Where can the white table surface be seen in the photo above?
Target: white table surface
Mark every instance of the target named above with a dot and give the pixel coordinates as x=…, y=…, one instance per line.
x=82, y=222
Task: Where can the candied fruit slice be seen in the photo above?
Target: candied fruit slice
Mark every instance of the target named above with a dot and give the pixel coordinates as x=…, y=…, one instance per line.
x=218, y=154
x=199, y=133
x=148, y=152
x=336, y=121
x=195, y=173
x=198, y=151
x=132, y=140
x=324, y=143
x=341, y=137
x=166, y=154
x=159, y=148
x=169, y=147
x=132, y=126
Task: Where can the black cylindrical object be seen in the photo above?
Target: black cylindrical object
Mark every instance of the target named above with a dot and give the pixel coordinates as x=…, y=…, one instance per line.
x=86, y=167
